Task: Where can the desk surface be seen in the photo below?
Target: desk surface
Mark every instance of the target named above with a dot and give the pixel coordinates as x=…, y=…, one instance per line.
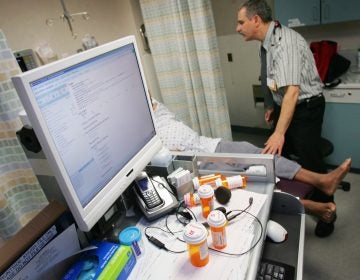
x=156, y=263
x=262, y=186
x=258, y=184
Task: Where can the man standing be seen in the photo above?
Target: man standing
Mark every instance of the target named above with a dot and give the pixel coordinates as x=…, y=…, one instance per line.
x=292, y=84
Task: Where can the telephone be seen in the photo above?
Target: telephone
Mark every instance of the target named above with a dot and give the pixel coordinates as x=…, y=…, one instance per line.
x=147, y=192
x=153, y=196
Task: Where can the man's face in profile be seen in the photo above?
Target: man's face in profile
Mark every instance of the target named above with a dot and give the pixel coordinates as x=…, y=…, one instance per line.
x=245, y=25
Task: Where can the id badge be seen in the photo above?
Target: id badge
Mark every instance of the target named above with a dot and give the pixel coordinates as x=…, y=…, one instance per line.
x=271, y=84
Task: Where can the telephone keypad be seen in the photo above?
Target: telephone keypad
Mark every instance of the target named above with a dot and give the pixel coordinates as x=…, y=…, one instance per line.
x=152, y=198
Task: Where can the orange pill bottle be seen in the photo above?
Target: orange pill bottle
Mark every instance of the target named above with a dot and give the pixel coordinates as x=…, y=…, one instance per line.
x=217, y=222
x=195, y=236
x=205, y=180
x=206, y=194
x=191, y=199
x=232, y=182
x=217, y=180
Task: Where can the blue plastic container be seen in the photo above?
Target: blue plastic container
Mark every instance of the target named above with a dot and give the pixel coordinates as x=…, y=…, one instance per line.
x=131, y=236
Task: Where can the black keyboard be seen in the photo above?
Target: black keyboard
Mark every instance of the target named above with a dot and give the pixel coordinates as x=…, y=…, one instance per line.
x=270, y=270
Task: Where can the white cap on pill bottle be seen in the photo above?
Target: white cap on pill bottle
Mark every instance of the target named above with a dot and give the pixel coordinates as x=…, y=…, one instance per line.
x=195, y=233
x=206, y=191
x=216, y=218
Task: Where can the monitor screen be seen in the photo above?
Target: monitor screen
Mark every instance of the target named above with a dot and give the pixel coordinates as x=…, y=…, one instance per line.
x=93, y=117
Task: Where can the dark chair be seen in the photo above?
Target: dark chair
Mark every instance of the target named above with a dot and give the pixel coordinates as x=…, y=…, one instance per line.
x=296, y=188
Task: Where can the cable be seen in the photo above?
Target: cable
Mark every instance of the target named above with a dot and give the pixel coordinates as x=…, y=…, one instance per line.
x=170, y=231
x=177, y=212
x=251, y=199
x=157, y=242
x=182, y=213
x=161, y=245
x=189, y=215
x=192, y=213
x=236, y=215
x=253, y=246
x=163, y=185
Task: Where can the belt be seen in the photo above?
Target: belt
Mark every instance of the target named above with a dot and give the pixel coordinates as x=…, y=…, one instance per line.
x=312, y=101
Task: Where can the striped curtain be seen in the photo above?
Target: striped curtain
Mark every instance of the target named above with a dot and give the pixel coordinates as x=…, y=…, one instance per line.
x=21, y=196
x=184, y=47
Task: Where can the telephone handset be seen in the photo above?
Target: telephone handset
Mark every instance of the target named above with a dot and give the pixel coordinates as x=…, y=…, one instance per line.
x=147, y=192
x=153, y=196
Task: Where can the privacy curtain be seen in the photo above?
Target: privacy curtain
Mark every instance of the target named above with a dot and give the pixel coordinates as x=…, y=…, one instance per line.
x=184, y=47
x=21, y=196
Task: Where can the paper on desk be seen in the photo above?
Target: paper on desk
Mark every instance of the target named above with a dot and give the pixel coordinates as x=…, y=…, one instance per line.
x=159, y=264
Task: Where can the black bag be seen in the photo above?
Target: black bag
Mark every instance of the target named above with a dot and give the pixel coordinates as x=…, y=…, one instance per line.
x=338, y=66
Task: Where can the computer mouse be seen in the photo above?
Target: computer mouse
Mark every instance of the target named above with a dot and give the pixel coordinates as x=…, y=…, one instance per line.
x=276, y=232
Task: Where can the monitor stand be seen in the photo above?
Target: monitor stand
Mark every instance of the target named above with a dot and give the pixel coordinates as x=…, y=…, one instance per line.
x=119, y=216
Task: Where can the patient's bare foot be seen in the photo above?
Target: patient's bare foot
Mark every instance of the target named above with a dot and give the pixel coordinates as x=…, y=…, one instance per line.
x=330, y=181
x=324, y=211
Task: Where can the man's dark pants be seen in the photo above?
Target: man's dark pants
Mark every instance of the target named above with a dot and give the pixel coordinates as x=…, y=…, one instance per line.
x=303, y=138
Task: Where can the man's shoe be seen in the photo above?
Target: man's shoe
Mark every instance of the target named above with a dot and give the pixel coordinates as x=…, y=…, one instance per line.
x=324, y=229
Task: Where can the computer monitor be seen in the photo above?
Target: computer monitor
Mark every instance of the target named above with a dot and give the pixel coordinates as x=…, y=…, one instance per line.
x=92, y=114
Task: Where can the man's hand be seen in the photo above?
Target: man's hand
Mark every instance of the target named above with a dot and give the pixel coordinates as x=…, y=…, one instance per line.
x=269, y=115
x=274, y=144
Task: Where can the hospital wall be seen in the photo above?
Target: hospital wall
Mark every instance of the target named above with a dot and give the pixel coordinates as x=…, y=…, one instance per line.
x=23, y=23
x=243, y=72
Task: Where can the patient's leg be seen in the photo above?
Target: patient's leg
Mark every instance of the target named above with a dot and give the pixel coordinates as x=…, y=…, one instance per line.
x=284, y=168
x=327, y=183
x=289, y=169
x=324, y=211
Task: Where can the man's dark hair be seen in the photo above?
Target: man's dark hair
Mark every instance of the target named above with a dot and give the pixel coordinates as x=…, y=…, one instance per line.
x=258, y=7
